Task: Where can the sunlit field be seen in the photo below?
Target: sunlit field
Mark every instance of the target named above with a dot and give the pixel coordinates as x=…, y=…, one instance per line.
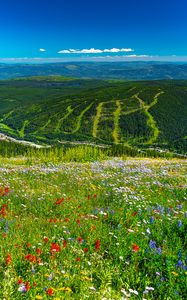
x=113, y=229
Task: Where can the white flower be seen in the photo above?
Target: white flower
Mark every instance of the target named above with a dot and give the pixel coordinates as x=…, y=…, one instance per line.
x=149, y=288
x=125, y=293
x=133, y=291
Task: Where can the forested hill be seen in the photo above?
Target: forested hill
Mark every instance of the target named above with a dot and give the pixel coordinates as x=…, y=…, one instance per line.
x=55, y=109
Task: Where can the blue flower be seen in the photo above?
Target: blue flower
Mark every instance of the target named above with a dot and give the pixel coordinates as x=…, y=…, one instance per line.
x=152, y=244
x=179, y=264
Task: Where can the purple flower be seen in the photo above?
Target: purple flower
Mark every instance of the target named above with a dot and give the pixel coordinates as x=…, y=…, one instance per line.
x=179, y=224
x=152, y=244
x=179, y=206
x=179, y=264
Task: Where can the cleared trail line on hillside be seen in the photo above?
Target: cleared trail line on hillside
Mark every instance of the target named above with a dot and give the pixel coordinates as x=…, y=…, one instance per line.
x=8, y=129
x=133, y=110
x=151, y=123
x=79, y=119
x=22, y=130
x=60, y=121
x=6, y=116
x=116, y=131
x=43, y=127
x=97, y=118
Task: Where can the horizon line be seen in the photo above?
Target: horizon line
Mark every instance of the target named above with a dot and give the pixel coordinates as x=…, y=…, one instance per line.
x=118, y=58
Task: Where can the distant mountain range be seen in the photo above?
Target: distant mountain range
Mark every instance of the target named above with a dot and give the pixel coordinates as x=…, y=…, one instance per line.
x=99, y=70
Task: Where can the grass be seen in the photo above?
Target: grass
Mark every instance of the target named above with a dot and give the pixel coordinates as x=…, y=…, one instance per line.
x=112, y=229
x=97, y=118
x=116, y=132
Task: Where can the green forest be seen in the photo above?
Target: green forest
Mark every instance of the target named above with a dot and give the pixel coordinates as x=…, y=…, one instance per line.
x=55, y=110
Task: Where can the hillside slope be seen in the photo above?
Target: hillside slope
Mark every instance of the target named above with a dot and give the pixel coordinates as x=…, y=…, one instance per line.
x=56, y=109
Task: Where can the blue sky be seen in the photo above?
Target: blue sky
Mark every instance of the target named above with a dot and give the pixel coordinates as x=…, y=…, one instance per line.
x=97, y=29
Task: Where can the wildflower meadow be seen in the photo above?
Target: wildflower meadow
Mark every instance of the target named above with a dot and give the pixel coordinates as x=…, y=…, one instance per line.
x=111, y=229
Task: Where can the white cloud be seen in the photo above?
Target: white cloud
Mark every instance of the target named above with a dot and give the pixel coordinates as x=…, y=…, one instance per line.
x=94, y=51
x=64, y=51
x=116, y=50
x=42, y=50
x=135, y=55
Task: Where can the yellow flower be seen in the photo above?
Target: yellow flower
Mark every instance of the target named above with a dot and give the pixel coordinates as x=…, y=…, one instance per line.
x=85, y=278
x=65, y=289
x=83, y=273
x=186, y=273
x=174, y=273
x=38, y=297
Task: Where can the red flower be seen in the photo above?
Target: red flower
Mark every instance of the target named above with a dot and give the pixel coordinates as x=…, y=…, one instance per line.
x=39, y=251
x=135, y=248
x=50, y=292
x=78, y=259
x=20, y=281
x=59, y=201
x=8, y=259
x=46, y=239
x=28, y=245
x=7, y=190
x=80, y=239
x=97, y=245
x=64, y=243
x=78, y=221
x=54, y=248
x=67, y=220
x=86, y=250
x=3, y=209
x=27, y=285
x=134, y=213
x=95, y=196
x=30, y=258
x=89, y=197
x=39, y=261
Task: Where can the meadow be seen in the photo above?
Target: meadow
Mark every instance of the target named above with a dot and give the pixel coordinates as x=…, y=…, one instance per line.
x=104, y=229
